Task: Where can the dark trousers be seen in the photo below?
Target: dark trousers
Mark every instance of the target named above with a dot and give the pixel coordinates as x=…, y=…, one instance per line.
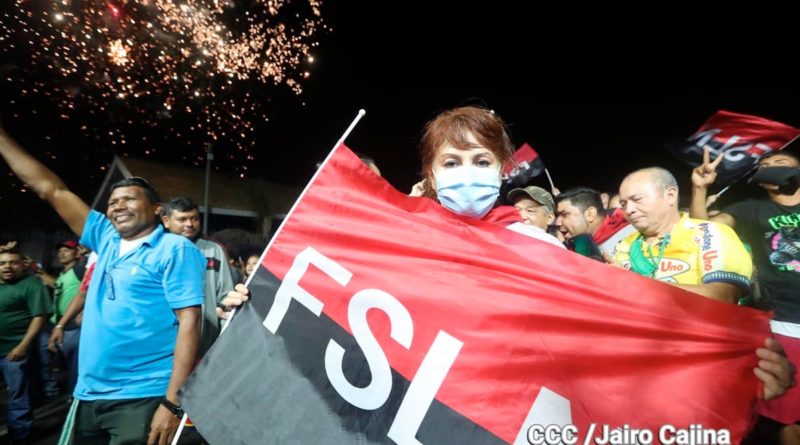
x=20, y=416
x=114, y=422
x=45, y=378
x=70, y=350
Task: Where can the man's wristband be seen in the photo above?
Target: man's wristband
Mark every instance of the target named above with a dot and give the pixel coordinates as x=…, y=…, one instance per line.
x=58, y=326
x=176, y=410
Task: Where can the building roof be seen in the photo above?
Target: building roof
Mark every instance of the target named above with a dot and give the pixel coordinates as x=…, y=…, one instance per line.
x=228, y=194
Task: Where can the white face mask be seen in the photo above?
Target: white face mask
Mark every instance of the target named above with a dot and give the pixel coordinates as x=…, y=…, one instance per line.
x=468, y=190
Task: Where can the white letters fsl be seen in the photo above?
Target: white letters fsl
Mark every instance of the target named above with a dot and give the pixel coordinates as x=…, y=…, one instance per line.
x=428, y=378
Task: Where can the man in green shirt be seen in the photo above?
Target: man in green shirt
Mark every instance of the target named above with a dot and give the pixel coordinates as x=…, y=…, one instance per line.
x=24, y=307
x=69, y=280
x=66, y=287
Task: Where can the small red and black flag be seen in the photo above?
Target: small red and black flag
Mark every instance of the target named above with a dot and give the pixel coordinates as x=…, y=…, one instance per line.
x=525, y=166
x=740, y=138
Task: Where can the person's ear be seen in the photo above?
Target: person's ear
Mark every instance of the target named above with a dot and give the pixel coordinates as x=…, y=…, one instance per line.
x=590, y=214
x=429, y=186
x=671, y=194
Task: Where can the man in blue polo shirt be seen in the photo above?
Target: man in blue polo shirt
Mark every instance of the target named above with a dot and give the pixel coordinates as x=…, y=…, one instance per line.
x=142, y=310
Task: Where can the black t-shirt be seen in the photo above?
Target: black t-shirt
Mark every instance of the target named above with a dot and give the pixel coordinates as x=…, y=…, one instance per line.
x=773, y=233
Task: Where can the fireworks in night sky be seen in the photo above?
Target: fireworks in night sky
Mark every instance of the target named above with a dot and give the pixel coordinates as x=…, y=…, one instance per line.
x=200, y=71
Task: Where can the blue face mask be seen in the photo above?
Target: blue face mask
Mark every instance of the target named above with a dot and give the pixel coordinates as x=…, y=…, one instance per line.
x=468, y=190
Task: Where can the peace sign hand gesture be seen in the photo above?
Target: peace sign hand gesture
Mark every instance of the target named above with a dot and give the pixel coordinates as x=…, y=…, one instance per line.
x=705, y=175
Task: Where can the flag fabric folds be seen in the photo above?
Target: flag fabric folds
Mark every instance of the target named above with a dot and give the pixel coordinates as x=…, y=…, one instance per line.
x=381, y=318
x=525, y=165
x=742, y=139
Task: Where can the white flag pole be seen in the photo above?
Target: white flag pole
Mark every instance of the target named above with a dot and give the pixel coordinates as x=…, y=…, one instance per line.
x=552, y=186
x=719, y=193
x=227, y=322
x=180, y=429
x=749, y=171
x=346, y=133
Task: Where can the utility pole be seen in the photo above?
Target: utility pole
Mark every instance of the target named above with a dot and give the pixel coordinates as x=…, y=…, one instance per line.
x=209, y=158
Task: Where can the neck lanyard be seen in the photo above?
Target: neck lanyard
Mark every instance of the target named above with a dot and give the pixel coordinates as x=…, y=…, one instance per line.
x=646, y=264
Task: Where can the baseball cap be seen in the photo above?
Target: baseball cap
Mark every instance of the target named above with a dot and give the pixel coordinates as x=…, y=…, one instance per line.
x=70, y=244
x=535, y=193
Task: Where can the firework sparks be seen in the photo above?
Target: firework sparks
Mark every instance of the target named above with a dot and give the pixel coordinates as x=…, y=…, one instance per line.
x=118, y=53
x=197, y=61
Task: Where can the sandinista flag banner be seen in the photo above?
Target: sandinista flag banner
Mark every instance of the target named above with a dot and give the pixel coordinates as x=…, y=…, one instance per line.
x=526, y=165
x=742, y=140
x=380, y=318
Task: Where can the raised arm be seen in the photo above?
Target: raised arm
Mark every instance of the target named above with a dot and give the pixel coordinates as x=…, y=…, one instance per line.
x=702, y=177
x=45, y=183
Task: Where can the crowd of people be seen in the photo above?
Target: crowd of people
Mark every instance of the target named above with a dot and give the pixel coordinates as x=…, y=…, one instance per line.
x=132, y=320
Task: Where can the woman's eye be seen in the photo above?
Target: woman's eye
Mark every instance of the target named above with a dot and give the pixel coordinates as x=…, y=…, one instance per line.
x=450, y=163
x=483, y=163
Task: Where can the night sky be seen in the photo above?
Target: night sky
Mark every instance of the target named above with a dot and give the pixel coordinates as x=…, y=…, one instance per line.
x=596, y=96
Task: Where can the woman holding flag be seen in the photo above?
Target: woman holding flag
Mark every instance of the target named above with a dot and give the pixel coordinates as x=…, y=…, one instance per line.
x=463, y=151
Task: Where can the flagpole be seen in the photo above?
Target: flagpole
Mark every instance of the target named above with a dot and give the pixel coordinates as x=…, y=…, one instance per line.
x=719, y=193
x=227, y=322
x=346, y=133
x=546, y=172
x=746, y=174
x=751, y=170
x=180, y=429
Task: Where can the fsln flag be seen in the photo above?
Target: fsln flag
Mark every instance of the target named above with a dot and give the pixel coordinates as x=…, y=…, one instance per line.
x=740, y=138
x=379, y=318
x=524, y=166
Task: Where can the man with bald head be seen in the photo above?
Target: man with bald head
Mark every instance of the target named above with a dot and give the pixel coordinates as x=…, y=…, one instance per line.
x=700, y=256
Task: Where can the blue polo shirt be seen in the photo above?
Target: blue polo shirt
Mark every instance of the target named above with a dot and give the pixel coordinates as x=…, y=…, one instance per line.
x=129, y=327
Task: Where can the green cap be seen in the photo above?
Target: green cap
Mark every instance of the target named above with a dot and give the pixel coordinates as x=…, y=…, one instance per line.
x=538, y=194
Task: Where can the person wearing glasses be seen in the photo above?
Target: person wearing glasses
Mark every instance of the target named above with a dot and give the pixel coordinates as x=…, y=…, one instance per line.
x=141, y=317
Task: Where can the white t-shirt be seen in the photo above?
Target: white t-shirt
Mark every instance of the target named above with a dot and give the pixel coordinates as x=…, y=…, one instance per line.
x=91, y=260
x=535, y=232
x=126, y=246
x=609, y=245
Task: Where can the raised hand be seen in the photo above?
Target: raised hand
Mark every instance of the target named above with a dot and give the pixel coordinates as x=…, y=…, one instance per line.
x=705, y=175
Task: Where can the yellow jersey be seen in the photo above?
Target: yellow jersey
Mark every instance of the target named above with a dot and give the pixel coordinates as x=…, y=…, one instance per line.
x=696, y=252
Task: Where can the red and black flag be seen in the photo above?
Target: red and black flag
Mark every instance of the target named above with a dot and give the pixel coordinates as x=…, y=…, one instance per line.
x=742, y=139
x=381, y=318
x=525, y=165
